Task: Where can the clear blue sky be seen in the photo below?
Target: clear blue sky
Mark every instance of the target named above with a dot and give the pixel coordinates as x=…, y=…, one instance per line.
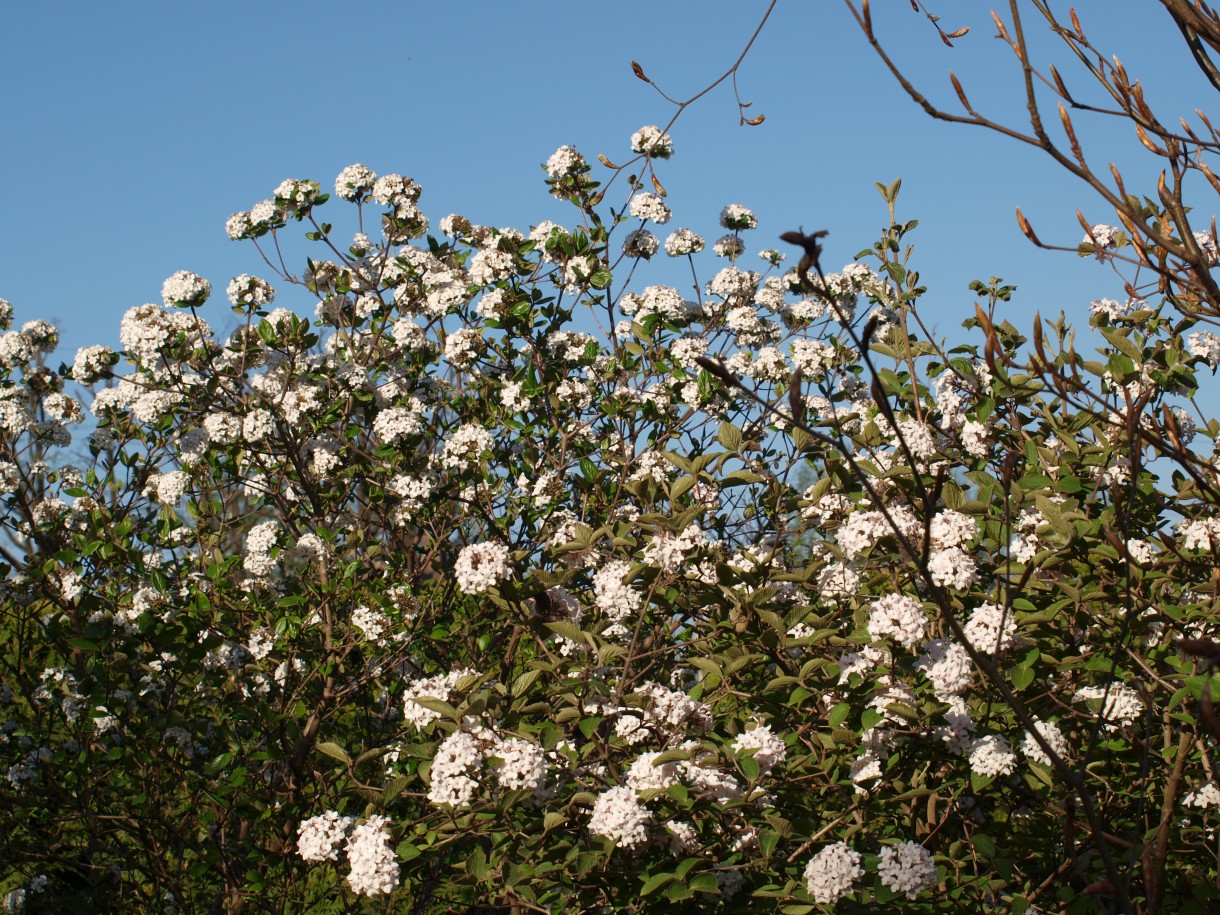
x=134, y=129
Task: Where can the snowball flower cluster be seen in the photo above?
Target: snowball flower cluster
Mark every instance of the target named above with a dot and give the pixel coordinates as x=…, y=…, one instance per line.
x=769, y=749
x=830, y=873
x=1049, y=732
x=354, y=182
x=318, y=838
x=1121, y=706
x=735, y=216
x=565, y=161
x=907, y=868
x=900, y=618
x=185, y=288
x=991, y=756
x=374, y=864
x=619, y=815
x=650, y=141
x=991, y=629
x=481, y=566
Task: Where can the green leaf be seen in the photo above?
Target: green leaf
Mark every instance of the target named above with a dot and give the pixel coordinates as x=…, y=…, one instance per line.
x=654, y=883
x=334, y=751
x=729, y=436
x=704, y=883
x=838, y=715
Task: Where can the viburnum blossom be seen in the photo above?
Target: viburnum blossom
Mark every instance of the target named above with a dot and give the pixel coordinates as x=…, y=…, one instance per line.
x=831, y=873
x=652, y=142
x=374, y=866
x=319, y=837
x=617, y=814
x=900, y=618
x=481, y=566
x=907, y=868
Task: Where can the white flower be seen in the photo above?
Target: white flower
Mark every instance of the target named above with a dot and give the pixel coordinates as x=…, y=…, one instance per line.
x=947, y=666
x=1052, y=735
x=185, y=288
x=1122, y=704
x=683, y=242
x=650, y=141
x=898, y=617
x=649, y=207
x=735, y=216
x=991, y=756
x=618, y=815
x=770, y=749
x=564, y=161
x=991, y=629
x=374, y=864
x=1205, y=796
x=907, y=868
x=318, y=838
x=354, y=182
x=830, y=873
x=481, y=566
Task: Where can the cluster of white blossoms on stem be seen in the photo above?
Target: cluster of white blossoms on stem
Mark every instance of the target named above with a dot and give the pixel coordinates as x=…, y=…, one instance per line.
x=907, y=868
x=481, y=566
x=650, y=141
x=769, y=748
x=185, y=288
x=319, y=838
x=991, y=629
x=1121, y=705
x=898, y=617
x=619, y=815
x=374, y=866
x=991, y=756
x=1049, y=731
x=438, y=687
x=830, y=873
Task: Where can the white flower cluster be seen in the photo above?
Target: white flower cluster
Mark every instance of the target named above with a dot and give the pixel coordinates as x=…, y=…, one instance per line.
x=438, y=687
x=651, y=142
x=947, y=667
x=374, y=865
x=619, y=815
x=900, y=618
x=92, y=363
x=830, y=873
x=260, y=540
x=1052, y=735
x=615, y=596
x=565, y=161
x=649, y=208
x=683, y=242
x=1122, y=704
x=1205, y=796
x=769, y=748
x=481, y=566
x=907, y=868
x=1202, y=534
x=464, y=448
x=457, y=760
x=319, y=838
x=991, y=629
x=735, y=216
x=1206, y=346
x=247, y=291
x=353, y=183
x=667, y=551
x=991, y=756
x=185, y=288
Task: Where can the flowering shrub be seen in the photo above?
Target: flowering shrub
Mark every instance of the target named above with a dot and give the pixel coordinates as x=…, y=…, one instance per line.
x=495, y=583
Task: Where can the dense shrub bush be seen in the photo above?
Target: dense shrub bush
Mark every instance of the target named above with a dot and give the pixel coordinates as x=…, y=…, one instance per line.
x=509, y=580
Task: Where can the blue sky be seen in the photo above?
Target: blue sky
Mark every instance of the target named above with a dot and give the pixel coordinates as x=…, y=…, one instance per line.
x=135, y=129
